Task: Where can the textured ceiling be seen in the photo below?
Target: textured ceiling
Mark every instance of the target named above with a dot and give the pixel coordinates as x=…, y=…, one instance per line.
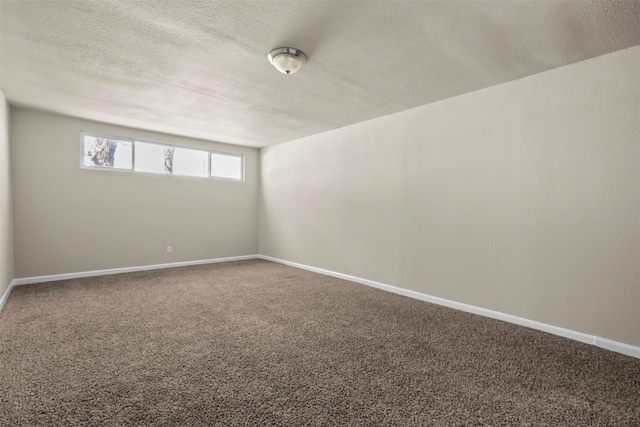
x=200, y=68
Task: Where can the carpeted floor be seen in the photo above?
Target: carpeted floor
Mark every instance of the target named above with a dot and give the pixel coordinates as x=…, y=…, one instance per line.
x=254, y=343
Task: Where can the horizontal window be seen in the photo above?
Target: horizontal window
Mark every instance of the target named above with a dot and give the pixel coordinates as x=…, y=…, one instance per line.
x=106, y=152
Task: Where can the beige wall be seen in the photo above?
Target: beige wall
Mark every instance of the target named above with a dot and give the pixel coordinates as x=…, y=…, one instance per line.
x=6, y=201
x=522, y=198
x=69, y=219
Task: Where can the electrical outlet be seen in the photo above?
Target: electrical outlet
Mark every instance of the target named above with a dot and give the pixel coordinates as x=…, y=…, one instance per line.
x=169, y=249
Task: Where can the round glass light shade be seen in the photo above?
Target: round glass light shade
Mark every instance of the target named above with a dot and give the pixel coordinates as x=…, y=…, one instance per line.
x=287, y=60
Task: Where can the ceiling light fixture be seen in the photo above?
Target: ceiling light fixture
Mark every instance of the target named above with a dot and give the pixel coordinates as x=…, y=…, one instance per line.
x=287, y=60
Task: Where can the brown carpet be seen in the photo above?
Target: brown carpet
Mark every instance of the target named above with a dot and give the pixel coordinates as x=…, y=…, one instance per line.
x=257, y=343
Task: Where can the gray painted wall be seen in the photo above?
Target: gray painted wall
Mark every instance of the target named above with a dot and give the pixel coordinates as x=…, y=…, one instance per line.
x=6, y=201
x=69, y=219
x=521, y=198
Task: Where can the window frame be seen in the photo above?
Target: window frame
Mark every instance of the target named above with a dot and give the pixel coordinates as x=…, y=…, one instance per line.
x=84, y=133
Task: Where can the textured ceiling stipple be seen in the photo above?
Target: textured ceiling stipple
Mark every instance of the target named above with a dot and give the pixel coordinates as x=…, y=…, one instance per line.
x=200, y=68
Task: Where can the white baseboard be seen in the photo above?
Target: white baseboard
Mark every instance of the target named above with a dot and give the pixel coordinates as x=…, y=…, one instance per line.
x=616, y=346
x=605, y=343
x=7, y=291
x=50, y=278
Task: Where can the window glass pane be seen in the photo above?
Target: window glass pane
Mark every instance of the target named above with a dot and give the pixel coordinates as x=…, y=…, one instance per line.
x=150, y=157
x=190, y=162
x=107, y=153
x=226, y=166
x=159, y=158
